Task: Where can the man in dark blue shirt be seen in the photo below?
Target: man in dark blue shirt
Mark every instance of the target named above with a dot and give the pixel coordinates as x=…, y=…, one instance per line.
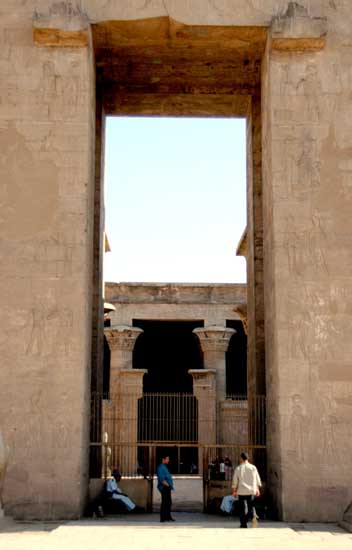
x=165, y=486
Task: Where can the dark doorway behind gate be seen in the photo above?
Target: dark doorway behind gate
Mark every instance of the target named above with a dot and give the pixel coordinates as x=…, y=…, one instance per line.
x=167, y=349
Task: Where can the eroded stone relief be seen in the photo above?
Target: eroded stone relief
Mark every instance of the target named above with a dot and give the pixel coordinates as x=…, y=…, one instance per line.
x=297, y=427
x=29, y=191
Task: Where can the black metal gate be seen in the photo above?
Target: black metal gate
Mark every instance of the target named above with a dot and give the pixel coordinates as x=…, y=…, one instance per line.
x=131, y=431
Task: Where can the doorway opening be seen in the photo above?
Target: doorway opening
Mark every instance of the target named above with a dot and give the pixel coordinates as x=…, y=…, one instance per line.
x=161, y=68
x=168, y=350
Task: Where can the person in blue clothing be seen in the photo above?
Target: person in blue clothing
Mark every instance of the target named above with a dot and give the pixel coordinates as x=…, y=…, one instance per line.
x=165, y=486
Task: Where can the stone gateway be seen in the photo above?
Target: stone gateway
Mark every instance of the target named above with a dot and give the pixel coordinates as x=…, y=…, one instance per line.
x=284, y=66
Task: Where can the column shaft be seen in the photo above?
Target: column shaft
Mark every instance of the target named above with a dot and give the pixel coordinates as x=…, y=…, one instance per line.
x=126, y=388
x=204, y=389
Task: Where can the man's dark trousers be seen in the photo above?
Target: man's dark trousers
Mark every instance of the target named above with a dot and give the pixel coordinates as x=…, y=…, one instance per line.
x=165, y=508
x=247, y=510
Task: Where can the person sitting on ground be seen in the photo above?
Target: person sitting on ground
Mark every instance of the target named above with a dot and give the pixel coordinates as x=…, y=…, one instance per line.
x=114, y=493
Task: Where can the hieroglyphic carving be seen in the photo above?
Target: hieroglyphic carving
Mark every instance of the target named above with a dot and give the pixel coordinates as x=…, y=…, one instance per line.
x=292, y=244
x=316, y=236
x=308, y=166
x=64, y=324
x=328, y=421
x=324, y=329
x=310, y=86
x=63, y=92
x=296, y=426
x=314, y=328
x=51, y=328
x=300, y=336
x=305, y=249
x=311, y=336
x=36, y=342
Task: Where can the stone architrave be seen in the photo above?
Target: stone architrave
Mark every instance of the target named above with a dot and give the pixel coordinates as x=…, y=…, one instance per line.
x=120, y=412
x=204, y=389
x=214, y=341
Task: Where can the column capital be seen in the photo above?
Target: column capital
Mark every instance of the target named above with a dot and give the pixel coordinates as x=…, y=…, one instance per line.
x=297, y=31
x=214, y=338
x=203, y=378
x=131, y=382
x=122, y=337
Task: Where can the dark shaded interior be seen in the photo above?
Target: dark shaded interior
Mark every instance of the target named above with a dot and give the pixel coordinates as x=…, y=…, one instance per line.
x=167, y=349
x=236, y=361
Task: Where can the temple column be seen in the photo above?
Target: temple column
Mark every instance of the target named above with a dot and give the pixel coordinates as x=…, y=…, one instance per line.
x=204, y=389
x=121, y=340
x=120, y=412
x=214, y=341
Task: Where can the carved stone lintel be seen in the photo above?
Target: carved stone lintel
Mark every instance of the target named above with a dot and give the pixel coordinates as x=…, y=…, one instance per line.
x=63, y=25
x=214, y=338
x=122, y=337
x=297, y=31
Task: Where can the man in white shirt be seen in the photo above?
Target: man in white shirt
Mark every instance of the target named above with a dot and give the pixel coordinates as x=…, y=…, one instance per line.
x=246, y=484
x=114, y=491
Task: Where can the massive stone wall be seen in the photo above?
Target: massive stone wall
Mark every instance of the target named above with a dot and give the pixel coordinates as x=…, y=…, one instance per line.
x=47, y=155
x=307, y=265
x=47, y=189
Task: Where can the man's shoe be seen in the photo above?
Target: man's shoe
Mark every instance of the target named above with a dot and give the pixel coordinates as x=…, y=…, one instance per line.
x=243, y=526
x=255, y=522
x=171, y=519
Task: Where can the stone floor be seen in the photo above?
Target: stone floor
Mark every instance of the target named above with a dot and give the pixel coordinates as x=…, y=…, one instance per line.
x=192, y=531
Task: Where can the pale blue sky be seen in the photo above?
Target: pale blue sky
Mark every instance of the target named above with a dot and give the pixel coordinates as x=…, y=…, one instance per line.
x=175, y=199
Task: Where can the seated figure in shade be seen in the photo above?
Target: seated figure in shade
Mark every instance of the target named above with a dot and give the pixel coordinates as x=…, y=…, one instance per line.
x=114, y=493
